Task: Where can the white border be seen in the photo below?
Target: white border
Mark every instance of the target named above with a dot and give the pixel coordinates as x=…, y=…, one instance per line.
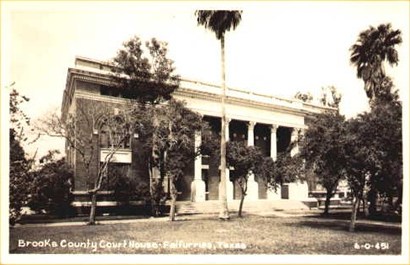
x=169, y=259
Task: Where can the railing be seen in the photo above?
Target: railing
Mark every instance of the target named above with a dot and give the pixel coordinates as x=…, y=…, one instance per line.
x=101, y=67
x=239, y=93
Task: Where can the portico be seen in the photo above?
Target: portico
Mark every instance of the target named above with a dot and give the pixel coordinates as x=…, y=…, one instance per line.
x=270, y=123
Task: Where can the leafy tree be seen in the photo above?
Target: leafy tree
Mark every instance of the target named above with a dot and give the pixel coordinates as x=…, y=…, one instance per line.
x=245, y=160
x=16, y=150
x=373, y=47
x=146, y=126
x=286, y=168
x=374, y=156
x=51, y=188
x=220, y=22
x=167, y=145
x=382, y=132
x=18, y=119
x=126, y=188
x=386, y=123
x=358, y=163
x=20, y=183
x=79, y=130
x=147, y=78
x=150, y=79
x=19, y=171
x=322, y=149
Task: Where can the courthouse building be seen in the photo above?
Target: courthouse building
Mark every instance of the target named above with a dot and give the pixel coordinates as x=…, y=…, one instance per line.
x=266, y=121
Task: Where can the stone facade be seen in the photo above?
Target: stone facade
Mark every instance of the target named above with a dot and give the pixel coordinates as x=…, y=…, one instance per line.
x=266, y=121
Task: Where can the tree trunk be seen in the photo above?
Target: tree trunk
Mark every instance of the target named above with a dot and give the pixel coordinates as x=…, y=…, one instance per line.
x=372, y=197
x=365, y=206
x=241, y=204
x=155, y=198
x=154, y=185
x=390, y=202
x=397, y=206
x=329, y=195
x=244, y=188
x=174, y=194
x=93, y=208
x=97, y=186
x=157, y=191
x=355, y=207
x=224, y=212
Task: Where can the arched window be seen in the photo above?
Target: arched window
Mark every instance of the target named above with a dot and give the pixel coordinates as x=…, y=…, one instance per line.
x=115, y=133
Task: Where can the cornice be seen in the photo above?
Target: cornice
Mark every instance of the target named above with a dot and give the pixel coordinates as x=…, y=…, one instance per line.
x=189, y=93
x=74, y=74
x=99, y=78
x=101, y=98
x=249, y=99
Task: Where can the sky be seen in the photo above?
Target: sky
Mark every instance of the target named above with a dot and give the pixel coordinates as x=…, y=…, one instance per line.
x=279, y=48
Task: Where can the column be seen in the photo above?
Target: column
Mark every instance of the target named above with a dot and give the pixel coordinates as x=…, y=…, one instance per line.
x=251, y=134
x=273, y=142
x=198, y=185
x=294, y=140
x=272, y=194
x=229, y=184
x=253, y=187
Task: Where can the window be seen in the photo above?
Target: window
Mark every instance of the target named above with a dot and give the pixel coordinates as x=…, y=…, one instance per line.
x=110, y=91
x=115, y=172
x=110, y=138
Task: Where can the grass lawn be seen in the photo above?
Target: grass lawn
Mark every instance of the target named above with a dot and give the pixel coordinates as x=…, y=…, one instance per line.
x=248, y=235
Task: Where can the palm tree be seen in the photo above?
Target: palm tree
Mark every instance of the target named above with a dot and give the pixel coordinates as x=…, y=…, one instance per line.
x=373, y=47
x=219, y=22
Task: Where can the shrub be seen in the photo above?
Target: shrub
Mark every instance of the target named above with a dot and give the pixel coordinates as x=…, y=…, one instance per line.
x=51, y=191
x=127, y=189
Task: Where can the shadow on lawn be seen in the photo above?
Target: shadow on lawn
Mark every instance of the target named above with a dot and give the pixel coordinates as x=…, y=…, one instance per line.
x=343, y=225
x=346, y=214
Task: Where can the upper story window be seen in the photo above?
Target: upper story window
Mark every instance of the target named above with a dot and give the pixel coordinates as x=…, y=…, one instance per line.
x=110, y=91
x=117, y=139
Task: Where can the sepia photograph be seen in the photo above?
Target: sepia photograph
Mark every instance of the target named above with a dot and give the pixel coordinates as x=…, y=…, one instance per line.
x=205, y=132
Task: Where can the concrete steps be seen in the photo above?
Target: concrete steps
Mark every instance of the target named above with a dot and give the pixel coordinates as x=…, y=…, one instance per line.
x=260, y=206
x=187, y=207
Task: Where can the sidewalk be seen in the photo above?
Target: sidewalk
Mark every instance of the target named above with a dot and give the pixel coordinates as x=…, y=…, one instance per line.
x=363, y=222
x=98, y=222
x=186, y=217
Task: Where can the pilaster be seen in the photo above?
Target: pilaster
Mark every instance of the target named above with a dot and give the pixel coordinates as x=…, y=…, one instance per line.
x=253, y=187
x=198, y=185
x=272, y=194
